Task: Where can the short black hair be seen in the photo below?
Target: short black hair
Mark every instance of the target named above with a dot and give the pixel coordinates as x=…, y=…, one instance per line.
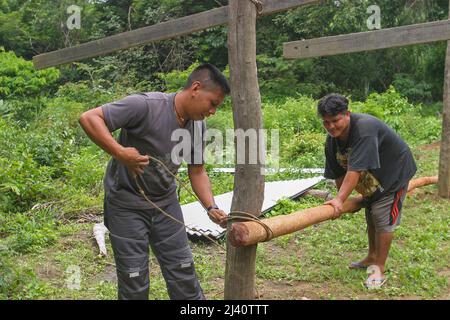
x=332, y=104
x=210, y=76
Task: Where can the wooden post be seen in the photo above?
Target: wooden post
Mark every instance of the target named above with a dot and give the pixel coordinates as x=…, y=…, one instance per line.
x=249, y=181
x=444, y=160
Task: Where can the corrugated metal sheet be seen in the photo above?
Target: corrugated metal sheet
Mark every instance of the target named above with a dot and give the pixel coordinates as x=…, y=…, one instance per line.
x=269, y=170
x=195, y=216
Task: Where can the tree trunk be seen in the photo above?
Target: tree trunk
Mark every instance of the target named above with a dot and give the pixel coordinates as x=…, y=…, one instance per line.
x=247, y=114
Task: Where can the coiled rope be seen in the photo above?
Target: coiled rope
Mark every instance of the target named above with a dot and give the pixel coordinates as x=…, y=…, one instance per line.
x=233, y=215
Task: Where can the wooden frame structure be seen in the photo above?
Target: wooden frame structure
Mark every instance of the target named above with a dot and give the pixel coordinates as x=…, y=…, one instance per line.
x=240, y=15
x=161, y=31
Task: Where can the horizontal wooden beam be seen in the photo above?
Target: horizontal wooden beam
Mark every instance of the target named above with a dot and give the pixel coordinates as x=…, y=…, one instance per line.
x=274, y=6
x=367, y=41
x=161, y=31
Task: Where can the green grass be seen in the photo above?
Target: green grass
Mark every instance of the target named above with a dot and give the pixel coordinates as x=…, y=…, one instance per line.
x=310, y=263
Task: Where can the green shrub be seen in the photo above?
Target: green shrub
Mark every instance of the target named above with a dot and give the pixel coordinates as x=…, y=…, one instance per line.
x=82, y=92
x=385, y=106
x=223, y=119
x=288, y=206
x=21, y=111
x=295, y=115
x=414, y=124
x=18, y=78
x=304, y=150
x=32, y=231
x=77, y=92
x=20, y=283
x=176, y=80
x=419, y=130
x=55, y=135
x=410, y=88
x=23, y=182
x=85, y=170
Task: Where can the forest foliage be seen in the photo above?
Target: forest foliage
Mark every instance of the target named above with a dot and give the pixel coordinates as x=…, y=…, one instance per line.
x=33, y=27
x=51, y=171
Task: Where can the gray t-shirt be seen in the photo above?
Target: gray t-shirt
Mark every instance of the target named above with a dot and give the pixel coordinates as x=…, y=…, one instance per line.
x=147, y=122
x=384, y=159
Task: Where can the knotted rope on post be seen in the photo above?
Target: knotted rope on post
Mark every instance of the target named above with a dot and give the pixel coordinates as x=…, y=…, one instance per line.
x=259, y=6
x=233, y=215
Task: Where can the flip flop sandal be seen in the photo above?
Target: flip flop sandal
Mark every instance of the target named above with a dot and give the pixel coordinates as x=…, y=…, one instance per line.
x=374, y=283
x=357, y=265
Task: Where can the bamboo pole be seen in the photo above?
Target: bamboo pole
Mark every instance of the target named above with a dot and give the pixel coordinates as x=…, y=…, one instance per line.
x=249, y=233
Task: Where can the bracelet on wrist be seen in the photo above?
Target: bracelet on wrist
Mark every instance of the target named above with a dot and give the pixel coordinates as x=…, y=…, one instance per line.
x=212, y=207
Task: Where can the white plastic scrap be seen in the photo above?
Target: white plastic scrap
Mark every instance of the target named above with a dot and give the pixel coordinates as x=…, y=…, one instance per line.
x=99, y=231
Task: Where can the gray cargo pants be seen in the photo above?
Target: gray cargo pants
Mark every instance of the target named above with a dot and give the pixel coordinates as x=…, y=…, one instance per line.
x=131, y=233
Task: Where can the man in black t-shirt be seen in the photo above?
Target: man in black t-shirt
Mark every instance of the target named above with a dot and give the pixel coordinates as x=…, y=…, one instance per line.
x=364, y=154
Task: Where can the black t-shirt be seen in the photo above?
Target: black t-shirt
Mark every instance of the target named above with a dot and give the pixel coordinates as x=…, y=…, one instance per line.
x=383, y=158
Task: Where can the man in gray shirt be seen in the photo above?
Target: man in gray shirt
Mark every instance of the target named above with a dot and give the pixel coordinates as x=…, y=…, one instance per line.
x=148, y=123
x=364, y=154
